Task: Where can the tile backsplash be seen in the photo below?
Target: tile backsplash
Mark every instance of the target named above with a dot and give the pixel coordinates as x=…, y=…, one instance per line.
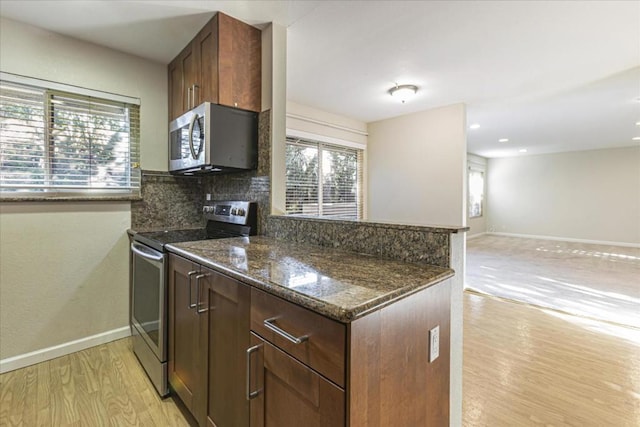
x=173, y=201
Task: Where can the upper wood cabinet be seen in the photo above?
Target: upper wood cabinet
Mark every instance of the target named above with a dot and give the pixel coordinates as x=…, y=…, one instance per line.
x=222, y=64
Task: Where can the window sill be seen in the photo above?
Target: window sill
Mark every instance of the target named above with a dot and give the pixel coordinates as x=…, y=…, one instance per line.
x=70, y=198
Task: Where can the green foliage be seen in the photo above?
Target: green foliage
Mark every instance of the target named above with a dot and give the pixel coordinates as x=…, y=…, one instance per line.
x=77, y=143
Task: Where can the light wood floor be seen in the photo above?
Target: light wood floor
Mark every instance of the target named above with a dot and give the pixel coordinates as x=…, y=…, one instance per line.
x=522, y=367
x=596, y=281
x=525, y=366
x=100, y=386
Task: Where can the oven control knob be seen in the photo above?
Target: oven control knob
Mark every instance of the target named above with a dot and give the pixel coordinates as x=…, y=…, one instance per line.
x=234, y=211
x=240, y=212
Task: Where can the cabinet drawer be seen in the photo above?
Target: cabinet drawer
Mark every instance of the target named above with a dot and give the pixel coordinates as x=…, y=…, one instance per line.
x=323, y=349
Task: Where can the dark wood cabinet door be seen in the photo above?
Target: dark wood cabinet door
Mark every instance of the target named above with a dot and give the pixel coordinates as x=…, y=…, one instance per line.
x=184, y=351
x=239, y=64
x=183, y=77
x=189, y=60
x=227, y=335
x=176, y=89
x=206, y=44
x=290, y=394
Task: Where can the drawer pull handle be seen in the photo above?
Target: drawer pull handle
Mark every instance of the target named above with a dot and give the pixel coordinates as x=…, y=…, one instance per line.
x=284, y=334
x=251, y=394
x=198, y=302
x=189, y=274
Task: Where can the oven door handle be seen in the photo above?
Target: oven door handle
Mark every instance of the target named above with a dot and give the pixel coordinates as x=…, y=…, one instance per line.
x=146, y=252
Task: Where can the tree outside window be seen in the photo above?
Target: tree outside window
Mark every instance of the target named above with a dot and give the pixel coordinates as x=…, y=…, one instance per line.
x=53, y=141
x=322, y=180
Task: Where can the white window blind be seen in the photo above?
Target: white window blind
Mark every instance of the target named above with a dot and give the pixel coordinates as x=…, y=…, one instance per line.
x=61, y=143
x=476, y=192
x=323, y=179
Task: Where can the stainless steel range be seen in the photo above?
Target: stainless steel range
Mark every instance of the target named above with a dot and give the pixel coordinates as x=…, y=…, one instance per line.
x=149, y=279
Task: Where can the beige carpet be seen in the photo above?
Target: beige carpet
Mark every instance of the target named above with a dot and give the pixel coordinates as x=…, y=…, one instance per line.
x=596, y=281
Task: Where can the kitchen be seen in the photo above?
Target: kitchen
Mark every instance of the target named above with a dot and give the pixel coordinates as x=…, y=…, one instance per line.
x=98, y=243
x=99, y=250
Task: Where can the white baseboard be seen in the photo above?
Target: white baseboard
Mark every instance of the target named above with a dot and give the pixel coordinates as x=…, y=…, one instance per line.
x=566, y=239
x=27, y=359
x=475, y=236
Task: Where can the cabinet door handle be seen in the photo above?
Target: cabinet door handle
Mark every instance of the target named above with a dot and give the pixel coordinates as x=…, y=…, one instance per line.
x=284, y=334
x=198, y=303
x=189, y=98
x=251, y=394
x=191, y=273
x=195, y=100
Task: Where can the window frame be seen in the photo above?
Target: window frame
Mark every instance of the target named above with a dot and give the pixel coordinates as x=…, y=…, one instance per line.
x=324, y=144
x=47, y=193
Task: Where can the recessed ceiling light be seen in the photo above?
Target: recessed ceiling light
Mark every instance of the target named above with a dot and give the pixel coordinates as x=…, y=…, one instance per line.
x=522, y=150
x=636, y=138
x=477, y=126
x=503, y=140
x=637, y=123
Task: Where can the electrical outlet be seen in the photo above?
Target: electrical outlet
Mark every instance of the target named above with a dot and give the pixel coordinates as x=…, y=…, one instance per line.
x=434, y=343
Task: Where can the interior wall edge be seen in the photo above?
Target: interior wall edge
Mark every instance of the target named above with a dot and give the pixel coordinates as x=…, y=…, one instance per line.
x=42, y=355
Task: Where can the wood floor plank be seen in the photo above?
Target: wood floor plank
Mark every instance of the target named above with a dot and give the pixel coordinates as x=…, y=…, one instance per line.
x=524, y=366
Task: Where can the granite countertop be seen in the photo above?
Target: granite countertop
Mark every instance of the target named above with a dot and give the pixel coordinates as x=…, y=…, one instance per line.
x=380, y=224
x=338, y=284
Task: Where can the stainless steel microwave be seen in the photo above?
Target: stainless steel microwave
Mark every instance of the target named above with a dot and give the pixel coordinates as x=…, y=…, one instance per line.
x=213, y=138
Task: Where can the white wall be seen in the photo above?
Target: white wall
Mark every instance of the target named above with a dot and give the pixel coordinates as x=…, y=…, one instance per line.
x=586, y=195
x=478, y=225
x=328, y=125
x=417, y=168
x=274, y=39
x=63, y=273
x=64, y=265
x=33, y=52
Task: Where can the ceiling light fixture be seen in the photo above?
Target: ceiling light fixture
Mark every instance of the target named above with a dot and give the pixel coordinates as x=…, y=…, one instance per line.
x=522, y=150
x=403, y=92
x=474, y=126
x=636, y=138
x=637, y=123
x=503, y=140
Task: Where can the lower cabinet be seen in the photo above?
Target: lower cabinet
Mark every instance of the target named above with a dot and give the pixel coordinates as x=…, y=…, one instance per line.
x=208, y=339
x=226, y=332
x=242, y=357
x=287, y=393
x=184, y=327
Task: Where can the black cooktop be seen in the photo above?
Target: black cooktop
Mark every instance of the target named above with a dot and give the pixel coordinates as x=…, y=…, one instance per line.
x=157, y=239
x=224, y=219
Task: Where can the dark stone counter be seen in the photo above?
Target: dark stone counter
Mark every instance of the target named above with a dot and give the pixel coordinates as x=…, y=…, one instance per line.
x=339, y=284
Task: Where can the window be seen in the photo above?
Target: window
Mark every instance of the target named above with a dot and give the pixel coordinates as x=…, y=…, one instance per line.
x=476, y=192
x=323, y=180
x=60, y=143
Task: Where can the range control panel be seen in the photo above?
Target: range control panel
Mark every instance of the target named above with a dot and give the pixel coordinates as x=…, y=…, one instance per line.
x=233, y=212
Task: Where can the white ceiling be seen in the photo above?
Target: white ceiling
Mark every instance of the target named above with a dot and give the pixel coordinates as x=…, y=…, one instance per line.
x=549, y=76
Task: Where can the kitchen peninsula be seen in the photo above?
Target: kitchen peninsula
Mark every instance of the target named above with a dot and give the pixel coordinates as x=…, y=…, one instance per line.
x=290, y=331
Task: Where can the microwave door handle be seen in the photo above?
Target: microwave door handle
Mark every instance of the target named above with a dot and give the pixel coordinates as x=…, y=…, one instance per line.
x=191, y=126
